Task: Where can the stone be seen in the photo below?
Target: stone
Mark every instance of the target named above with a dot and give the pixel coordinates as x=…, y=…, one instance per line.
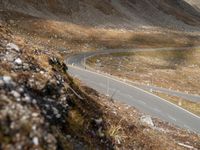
x=41, y=72
x=34, y=127
x=98, y=121
x=58, y=116
x=68, y=136
x=55, y=111
x=18, y=61
x=26, y=66
x=34, y=101
x=11, y=21
x=47, y=106
x=16, y=95
x=147, y=120
x=35, y=114
x=12, y=46
x=36, y=141
x=7, y=79
x=27, y=98
x=44, y=112
x=101, y=134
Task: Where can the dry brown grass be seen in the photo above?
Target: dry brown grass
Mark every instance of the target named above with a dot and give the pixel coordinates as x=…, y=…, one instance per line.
x=191, y=106
x=127, y=131
x=58, y=34
x=177, y=70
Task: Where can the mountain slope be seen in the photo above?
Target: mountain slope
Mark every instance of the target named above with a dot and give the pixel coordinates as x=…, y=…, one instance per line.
x=176, y=14
x=42, y=107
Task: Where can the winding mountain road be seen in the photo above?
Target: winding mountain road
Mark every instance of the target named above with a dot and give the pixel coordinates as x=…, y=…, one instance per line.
x=132, y=95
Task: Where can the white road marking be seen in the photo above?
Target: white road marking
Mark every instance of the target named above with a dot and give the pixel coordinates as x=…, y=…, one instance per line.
x=110, y=77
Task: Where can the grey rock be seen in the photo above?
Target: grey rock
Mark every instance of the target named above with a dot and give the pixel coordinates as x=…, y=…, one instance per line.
x=10, y=56
x=34, y=127
x=47, y=106
x=100, y=132
x=42, y=72
x=34, y=101
x=35, y=114
x=7, y=79
x=20, y=90
x=15, y=94
x=58, y=116
x=36, y=141
x=55, y=111
x=12, y=46
x=18, y=61
x=26, y=66
x=27, y=98
x=147, y=120
x=69, y=136
x=98, y=121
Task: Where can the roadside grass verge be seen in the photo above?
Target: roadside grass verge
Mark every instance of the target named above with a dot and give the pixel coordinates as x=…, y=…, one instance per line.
x=193, y=107
x=177, y=70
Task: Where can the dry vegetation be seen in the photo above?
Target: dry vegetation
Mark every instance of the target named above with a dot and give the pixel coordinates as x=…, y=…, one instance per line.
x=88, y=121
x=125, y=127
x=91, y=121
x=188, y=105
x=72, y=37
x=177, y=70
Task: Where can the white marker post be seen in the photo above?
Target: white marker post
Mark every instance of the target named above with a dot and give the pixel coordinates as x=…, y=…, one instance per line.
x=84, y=62
x=108, y=86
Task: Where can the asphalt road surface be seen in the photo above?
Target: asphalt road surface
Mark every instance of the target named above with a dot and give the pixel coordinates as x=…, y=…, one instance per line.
x=78, y=60
x=129, y=94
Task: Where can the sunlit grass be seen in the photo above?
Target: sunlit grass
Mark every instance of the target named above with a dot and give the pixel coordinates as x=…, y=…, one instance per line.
x=193, y=107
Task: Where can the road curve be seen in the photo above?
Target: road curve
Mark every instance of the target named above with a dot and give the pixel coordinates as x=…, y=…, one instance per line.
x=142, y=100
x=78, y=60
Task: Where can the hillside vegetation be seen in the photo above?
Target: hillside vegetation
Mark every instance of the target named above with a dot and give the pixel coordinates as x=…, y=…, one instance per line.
x=174, y=14
x=42, y=107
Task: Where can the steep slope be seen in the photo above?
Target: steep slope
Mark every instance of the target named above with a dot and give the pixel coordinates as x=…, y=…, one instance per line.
x=175, y=14
x=42, y=107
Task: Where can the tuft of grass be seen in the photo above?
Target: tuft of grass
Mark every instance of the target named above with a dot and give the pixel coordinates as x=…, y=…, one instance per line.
x=116, y=132
x=193, y=107
x=178, y=69
x=76, y=120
